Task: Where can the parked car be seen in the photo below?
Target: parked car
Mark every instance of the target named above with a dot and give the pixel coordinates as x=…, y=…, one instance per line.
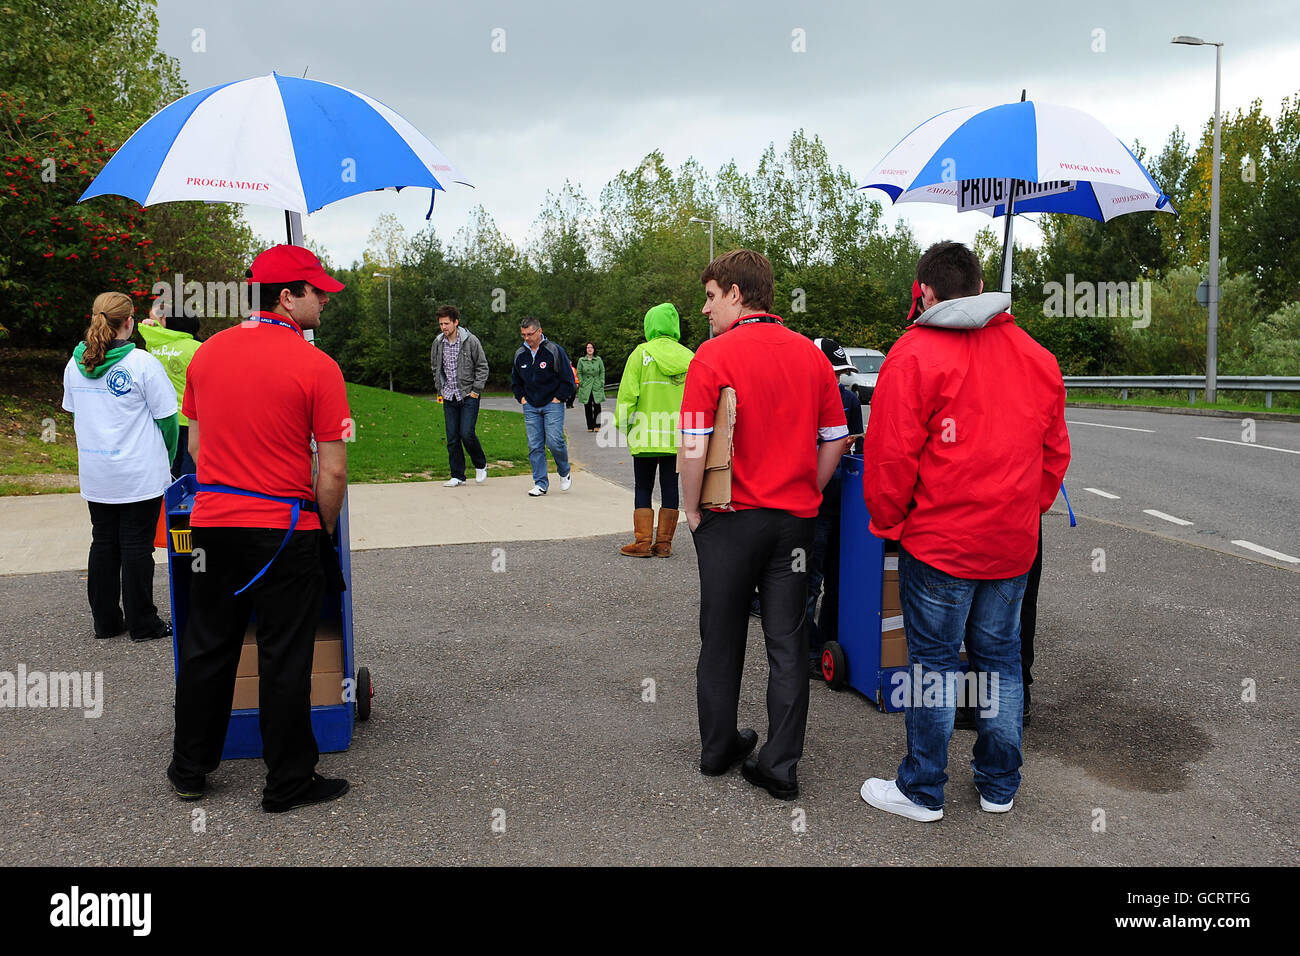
x=863, y=381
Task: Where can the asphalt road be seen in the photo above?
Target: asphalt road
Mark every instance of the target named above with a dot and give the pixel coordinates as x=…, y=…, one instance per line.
x=518, y=697
x=1196, y=469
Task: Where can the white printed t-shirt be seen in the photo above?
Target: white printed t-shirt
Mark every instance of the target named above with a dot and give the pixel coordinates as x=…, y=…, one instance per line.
x=121, y=455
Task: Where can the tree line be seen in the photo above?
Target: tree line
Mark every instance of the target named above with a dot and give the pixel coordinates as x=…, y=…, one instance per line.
x=80, y=76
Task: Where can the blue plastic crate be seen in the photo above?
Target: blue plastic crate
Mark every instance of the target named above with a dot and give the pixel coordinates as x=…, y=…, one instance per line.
x=862, y=563
x=332, y=724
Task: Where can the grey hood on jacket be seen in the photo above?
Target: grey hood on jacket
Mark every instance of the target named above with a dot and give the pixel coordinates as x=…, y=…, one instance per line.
x=968, y=312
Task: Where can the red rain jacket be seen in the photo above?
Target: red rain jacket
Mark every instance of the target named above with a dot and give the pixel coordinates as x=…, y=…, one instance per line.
x=966, y=444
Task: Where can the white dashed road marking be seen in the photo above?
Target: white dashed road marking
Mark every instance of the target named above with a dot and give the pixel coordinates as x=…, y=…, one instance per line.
x=1164, y=517
x=1123, y=428
x=1104, y=494
x=1249, y=444
x=1267, y=551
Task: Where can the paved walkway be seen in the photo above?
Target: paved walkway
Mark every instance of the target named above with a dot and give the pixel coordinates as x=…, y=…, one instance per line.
x=40, y=533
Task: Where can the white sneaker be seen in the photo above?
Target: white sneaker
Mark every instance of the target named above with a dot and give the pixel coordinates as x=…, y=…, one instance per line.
x=885, y=795
x=453, y=483
x=480, y=475
x=565, y=481
x=995, y=807
x=536, y=491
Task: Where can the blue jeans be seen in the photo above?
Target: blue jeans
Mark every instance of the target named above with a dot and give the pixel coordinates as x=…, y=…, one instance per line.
x=939, y=611
x=460, y=417
x=545, y=429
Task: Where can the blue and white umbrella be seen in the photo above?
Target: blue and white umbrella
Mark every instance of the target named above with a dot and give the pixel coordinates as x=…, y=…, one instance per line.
x=280, y=141
x=968, y=153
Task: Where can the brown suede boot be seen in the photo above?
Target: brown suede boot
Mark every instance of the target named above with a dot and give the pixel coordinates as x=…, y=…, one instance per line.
x=643, y=523
x=663, y=546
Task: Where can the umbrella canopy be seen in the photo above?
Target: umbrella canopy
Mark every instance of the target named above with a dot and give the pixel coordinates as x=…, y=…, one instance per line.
x=279, y=141
x=965, y=155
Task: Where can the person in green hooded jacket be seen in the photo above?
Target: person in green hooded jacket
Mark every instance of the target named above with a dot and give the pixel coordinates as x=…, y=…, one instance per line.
x=649, y=411
x=591, y=385
x=124, y=415
x=173, y=341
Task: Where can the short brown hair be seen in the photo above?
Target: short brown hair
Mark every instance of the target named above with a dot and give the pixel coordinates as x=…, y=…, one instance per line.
x=449, y=311
x=951, y=270
x=749, y=271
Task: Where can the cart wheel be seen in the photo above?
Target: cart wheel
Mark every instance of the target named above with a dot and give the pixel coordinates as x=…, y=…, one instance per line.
x=364, y=693
x=835, y=668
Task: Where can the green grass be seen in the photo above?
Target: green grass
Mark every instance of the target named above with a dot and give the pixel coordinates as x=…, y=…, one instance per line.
x=403, y=438
x=398, y=437
x=36, y=437
x=1282, y=402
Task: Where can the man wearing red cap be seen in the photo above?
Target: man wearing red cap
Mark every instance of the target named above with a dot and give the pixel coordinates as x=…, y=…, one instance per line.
x=257, y=397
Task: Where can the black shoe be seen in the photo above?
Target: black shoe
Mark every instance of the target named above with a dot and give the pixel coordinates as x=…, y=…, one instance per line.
x=815, y=669
x=320, y=790
x=748, y=740
x=186, y=792
x=117, y=631
x=965, y=719
x=782, y=791
x=1029, y=709
x=165, y=631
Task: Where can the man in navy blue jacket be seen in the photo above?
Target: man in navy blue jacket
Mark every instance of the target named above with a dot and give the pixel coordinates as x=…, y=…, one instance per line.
x=541, y=377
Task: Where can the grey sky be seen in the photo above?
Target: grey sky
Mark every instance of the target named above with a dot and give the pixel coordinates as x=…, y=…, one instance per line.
x=585, y=89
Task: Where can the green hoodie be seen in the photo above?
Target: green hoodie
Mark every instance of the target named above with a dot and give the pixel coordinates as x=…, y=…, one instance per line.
x=654, y=379
x=170, y=429
x=174, y=349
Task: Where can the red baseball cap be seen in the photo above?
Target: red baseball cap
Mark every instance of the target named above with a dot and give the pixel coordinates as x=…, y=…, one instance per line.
x=916, y=301
x=285, y=263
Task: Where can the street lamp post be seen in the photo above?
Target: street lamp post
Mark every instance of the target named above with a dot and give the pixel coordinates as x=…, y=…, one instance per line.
x=1212, y=321
x=709, y=223
x=389, y=278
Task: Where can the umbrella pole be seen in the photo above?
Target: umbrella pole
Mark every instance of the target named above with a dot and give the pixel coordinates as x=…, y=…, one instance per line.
x=1006, y=237
x=293, y=231
x=293, y=227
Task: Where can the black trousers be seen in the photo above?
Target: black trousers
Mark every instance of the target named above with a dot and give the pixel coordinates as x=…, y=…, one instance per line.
x=120, y=568
x=644, y=469
x=1029, y=612
x=592, y=408
x=287, y=602
x=737, y=551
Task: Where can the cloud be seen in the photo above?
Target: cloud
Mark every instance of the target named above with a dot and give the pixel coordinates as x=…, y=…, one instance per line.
x=585, y=89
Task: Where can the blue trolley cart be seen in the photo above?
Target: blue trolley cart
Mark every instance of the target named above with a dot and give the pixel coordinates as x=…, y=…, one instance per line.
x=866, y=654
x=336, y=700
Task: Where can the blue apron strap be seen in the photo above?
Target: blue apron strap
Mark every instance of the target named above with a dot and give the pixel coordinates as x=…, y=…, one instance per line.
x=1067, y=505
x=295, y=509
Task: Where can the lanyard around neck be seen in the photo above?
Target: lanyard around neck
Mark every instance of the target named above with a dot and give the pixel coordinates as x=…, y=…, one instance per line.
x=271, y=320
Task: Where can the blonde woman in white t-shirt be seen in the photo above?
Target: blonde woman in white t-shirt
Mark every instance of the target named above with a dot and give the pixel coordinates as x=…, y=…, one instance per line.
x=124, y=414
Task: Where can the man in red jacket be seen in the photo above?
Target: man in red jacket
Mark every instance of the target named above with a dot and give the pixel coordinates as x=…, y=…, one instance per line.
x=965, y=449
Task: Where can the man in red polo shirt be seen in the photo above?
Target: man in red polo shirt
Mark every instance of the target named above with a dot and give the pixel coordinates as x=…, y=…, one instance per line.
x=787, y=400
x=257, y=395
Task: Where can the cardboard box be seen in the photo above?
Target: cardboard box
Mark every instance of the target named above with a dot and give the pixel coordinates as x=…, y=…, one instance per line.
x=893, y=641
x=893, y=650
x=326, y=688
x=248, y=661
x=715, y=492
x=890, y=601
x=245, y=694
x=327, y=658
